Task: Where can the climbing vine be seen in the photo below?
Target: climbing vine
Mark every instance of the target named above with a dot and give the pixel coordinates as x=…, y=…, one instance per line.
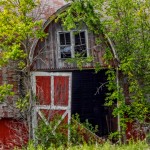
x=125, y=27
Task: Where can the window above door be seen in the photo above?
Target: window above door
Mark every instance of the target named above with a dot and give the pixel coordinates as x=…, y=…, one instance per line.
x=72, y=43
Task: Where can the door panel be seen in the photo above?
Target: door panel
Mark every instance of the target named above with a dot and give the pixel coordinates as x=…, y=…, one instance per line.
x=61, y=87
x=43, y=88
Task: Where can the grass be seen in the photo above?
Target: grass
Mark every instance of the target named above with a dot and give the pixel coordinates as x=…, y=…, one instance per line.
x=106, y=146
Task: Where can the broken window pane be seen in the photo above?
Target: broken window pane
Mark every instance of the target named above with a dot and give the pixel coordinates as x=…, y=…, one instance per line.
x=65, y=44
x=68, y=47
x=80, y=43
x=65, y=51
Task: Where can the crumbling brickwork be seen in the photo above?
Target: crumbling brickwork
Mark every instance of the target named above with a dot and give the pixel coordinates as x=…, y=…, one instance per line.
x=9, y=76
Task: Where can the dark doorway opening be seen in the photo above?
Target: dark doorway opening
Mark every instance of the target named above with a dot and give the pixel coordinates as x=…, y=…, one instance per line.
x=88, y=102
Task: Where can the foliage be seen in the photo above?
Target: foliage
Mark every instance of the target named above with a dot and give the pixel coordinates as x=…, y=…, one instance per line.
x=48, y=136
x=80, y=131
x=23, y=103
x=5, y=90
x=19, y=27
x=106, y=146
x=80, y=60
x=148, y=139
x=124, y=25
x=114, y=136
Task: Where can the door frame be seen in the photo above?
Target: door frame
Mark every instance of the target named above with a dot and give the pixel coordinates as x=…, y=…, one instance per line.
x=36, y=108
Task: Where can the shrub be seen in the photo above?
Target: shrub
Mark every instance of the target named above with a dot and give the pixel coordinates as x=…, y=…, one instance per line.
x=48, y=136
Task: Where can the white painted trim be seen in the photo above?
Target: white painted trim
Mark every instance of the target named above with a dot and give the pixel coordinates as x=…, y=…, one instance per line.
x=58, y=123
x=38, y=73
x=33, y=82
x=72, y=45
x=42, y=117
x=73, y=42
x=69, y=104
x=52, y=91
x=58, y=46
x=48, y=107
x=58, y=43
x=34, y=122
x=87, y=43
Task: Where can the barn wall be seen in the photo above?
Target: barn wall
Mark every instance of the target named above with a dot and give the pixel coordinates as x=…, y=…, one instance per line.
x=46, y=50
x=12, y=133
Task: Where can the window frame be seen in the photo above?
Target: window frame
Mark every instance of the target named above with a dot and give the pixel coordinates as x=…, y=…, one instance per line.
x=72, y=40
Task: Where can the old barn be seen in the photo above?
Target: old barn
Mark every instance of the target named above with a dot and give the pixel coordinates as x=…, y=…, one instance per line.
x=61, y=87
x=59, y=84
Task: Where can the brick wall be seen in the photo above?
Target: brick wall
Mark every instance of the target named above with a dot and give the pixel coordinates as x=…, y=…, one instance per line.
x=9, y=76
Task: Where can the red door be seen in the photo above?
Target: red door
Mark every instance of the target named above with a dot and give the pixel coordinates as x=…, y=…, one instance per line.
x=53, y=92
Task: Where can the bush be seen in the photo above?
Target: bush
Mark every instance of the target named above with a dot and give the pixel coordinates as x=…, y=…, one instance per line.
x=48, y=136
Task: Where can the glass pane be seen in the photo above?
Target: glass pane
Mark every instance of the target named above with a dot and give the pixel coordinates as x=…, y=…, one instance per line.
x=81, y=49
x=64, y=38
x=80, y=38
x=65, y=51
x=77, y=39
x=82, y=34
x=67, y=36
x=80, y=44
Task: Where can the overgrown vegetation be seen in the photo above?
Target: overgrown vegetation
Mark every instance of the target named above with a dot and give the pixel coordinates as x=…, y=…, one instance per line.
x=124, y=28
x=106, y=146
x=75, y=133
x=81, y=137
x=19, y=27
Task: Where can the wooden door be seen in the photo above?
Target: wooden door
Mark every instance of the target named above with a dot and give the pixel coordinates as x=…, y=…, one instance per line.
x=53, y=91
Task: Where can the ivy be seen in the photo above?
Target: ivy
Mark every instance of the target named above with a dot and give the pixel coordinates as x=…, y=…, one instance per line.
x=126, y=23
x=5, y=91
